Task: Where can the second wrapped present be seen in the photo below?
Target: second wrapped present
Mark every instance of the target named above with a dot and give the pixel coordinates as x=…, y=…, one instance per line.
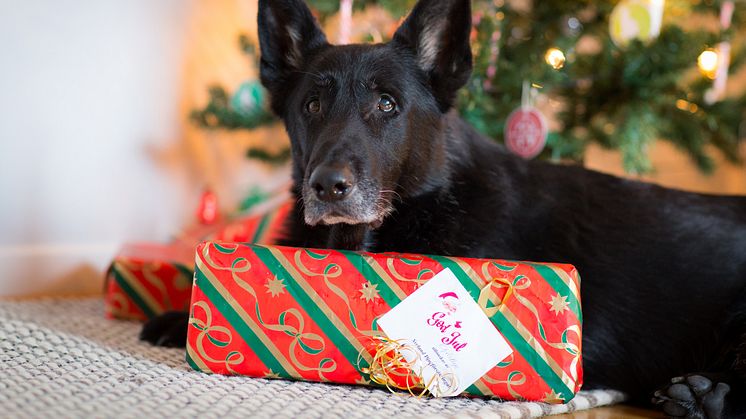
x=147, y=279
x=313, y=315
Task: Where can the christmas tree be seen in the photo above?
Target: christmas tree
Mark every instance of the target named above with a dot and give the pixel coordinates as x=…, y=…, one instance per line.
x=621, y=74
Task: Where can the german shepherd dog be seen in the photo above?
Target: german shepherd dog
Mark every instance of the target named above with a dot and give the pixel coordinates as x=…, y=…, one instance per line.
x=381, y=162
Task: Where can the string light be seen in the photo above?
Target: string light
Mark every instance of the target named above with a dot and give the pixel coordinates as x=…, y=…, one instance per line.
x=708, y=63
x=687, y=106
x=555, y=58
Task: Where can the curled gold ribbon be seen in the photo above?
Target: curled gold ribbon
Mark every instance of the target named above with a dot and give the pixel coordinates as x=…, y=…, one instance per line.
x=389, y=368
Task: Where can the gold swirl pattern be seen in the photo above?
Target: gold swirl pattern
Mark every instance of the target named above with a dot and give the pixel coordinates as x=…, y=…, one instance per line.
x=227, y=249
x=399, y=277
x=118, y=304
x=332, y=271
x=311, y=343
x=522, y=283
x=148, y=271
x=211, y=333
x=515, y=379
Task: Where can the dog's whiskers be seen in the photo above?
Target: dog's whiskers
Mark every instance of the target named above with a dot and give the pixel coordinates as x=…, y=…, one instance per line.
x=317, y=76
x=391, y=192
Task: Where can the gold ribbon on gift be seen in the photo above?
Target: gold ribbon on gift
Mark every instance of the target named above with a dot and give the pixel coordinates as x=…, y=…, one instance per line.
x=390, y=368
x=487, y=294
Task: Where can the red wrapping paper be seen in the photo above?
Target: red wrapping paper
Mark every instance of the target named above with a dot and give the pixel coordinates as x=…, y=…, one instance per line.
x=310, y=314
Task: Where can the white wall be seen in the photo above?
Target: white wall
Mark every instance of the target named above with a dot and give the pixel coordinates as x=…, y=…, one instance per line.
x=88, y=88
x=95, y=148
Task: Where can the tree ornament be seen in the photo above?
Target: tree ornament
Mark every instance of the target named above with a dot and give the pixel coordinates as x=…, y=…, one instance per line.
x=249, y=99
x=717, y=93
x=345, y=21
x=636, y=19
x=207, y=211
x=572, y=26
x=526, y=129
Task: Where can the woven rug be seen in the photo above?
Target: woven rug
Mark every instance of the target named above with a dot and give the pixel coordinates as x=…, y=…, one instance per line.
x=62, y=358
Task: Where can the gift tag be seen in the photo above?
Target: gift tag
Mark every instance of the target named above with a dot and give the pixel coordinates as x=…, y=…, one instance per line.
x=448, y=338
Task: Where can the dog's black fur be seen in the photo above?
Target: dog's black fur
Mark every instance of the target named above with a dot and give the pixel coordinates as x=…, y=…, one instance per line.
x=663, y=270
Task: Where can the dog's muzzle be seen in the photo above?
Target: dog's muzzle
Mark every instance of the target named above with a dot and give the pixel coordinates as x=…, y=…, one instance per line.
x=333, y=195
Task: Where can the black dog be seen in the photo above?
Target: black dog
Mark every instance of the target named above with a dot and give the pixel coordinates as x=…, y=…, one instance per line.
x=382, y=163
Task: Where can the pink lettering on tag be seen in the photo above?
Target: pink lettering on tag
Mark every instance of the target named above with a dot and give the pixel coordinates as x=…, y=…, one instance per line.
x=436, y=320
x=453, y=341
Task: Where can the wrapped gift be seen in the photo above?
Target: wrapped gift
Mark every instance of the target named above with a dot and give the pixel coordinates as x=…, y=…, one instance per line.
x=147, y=279
x=261, y=225
x=312, y=315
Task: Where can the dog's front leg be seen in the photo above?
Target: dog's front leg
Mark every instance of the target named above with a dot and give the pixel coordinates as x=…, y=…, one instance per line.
x=348, y=237
x=168, y=329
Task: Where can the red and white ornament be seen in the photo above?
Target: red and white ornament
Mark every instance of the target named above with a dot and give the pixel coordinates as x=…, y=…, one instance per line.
x=207, y=211
x=526, y=129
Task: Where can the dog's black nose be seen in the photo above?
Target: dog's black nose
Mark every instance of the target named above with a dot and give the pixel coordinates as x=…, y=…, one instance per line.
x=331, y=183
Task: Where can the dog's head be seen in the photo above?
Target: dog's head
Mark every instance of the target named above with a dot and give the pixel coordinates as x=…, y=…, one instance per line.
x=365, y=121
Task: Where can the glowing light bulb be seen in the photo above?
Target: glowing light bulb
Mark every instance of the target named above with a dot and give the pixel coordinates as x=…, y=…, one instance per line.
x=708, y=63
x=555, y=58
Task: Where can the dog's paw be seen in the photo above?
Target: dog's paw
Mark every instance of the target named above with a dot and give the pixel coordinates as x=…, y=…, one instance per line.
x=692, y=397
x=169, y=329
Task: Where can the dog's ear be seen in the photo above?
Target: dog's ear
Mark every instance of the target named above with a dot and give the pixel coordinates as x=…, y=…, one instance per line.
x=437, y=32
x=288, y=36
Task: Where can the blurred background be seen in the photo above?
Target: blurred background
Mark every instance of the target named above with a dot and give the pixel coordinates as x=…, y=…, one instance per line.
x=116, y=117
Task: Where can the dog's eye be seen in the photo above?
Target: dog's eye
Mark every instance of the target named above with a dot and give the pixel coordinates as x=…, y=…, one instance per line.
x=386, y=104
x=313, y=106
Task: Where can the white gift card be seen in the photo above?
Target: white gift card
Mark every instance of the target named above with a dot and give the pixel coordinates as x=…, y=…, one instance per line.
x=452, y=336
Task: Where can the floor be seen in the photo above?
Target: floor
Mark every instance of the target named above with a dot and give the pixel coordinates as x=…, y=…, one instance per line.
x=613, y=412
x=62, y=358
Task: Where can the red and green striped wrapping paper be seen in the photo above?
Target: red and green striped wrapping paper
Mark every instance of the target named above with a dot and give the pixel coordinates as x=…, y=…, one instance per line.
x=148, y=279
x=306, y=314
